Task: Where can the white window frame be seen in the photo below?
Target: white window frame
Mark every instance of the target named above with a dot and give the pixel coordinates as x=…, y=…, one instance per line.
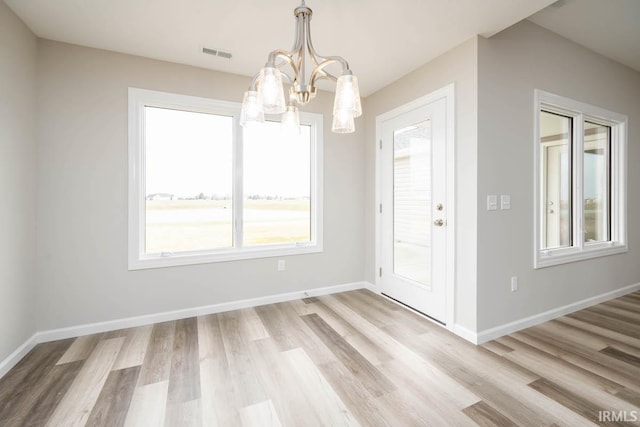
x=138, y=259
x=581, y=112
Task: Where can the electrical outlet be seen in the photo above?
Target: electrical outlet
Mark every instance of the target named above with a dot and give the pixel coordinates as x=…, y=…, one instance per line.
x=514, y=284
x=281, y=265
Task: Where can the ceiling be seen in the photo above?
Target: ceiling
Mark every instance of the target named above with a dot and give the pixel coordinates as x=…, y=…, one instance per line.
x=611, y=27
x=382, y=39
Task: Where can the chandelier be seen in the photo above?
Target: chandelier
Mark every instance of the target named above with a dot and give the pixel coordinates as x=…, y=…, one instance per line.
x=266, y=94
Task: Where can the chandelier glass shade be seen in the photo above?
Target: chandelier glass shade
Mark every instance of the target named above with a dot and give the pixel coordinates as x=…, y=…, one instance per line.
x=266, y=95
x=271, y=90
x=290, y=117
x=252, y=108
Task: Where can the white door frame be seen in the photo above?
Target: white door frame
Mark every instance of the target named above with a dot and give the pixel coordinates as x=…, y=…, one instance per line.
x=447, y=92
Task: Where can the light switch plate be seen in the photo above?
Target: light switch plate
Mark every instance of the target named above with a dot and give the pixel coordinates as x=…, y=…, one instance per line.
x=492, y=202
x=505, y=202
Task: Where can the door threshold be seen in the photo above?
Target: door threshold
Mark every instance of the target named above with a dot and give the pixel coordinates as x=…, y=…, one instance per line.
x=413, y=309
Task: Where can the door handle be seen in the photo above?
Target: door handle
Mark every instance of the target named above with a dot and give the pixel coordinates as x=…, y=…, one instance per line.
x=438, y=222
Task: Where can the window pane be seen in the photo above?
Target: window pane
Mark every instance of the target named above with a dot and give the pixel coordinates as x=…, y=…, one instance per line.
x=412, y=203
x=597, y=146
x=277, y=185
x=188, y=160
x=555, y=161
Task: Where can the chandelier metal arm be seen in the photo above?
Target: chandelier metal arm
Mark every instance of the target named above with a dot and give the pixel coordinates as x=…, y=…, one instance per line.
x=280, y=53
x=287, y=56
x=287, y=77
x=317, y=58
x=296, y=41
x=320, y=73
x=254, y=81
x=295, y=49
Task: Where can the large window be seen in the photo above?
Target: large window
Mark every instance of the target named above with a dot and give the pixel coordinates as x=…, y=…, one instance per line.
x=204, y=189
x=580, y=181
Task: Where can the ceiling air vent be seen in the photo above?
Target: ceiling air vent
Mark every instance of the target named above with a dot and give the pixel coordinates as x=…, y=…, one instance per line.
x=217, y=52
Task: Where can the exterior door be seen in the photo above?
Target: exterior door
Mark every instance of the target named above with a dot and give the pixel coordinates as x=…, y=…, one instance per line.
x=557, y=214
x=413, y=213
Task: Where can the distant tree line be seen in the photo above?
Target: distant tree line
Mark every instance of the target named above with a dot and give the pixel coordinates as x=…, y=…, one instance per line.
x=203, y=196
x=263, y=197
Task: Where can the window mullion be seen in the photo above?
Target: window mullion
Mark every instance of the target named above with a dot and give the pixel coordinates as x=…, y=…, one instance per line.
x=578, y=199
x=313, y=181
x=615, y=184
x=608, y=213
x=618, y=183
x=141, y=177
x=237, y=185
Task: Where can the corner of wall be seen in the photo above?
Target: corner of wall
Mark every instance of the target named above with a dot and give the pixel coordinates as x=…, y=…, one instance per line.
x=17, y=181
x=511, y=64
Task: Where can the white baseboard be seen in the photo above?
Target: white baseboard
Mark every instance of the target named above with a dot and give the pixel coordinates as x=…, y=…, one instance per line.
x=536, y=319
x=476, y=338
x=465, y=333
x=130, y=322
x=373, y=288
x=13, y=359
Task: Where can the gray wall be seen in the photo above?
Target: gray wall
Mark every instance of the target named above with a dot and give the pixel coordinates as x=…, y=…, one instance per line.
x=511, y=65
x=18, y=53
x=458, y=66
x=79, y=173
x=82, y=193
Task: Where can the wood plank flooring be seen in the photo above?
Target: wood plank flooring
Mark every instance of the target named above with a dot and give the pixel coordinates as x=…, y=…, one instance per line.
x=353, y=358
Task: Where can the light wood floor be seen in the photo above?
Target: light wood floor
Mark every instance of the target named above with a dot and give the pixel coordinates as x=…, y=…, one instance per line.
x=347, y=359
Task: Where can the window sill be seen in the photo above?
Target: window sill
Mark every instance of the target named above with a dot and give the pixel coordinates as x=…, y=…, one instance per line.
x=174, y=260
x=568, y=255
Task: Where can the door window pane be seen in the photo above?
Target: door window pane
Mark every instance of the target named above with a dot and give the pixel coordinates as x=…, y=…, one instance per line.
x=412, y=202
x=597, y=146
x=188, y=181
x=556, y=172
x=277, y=184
